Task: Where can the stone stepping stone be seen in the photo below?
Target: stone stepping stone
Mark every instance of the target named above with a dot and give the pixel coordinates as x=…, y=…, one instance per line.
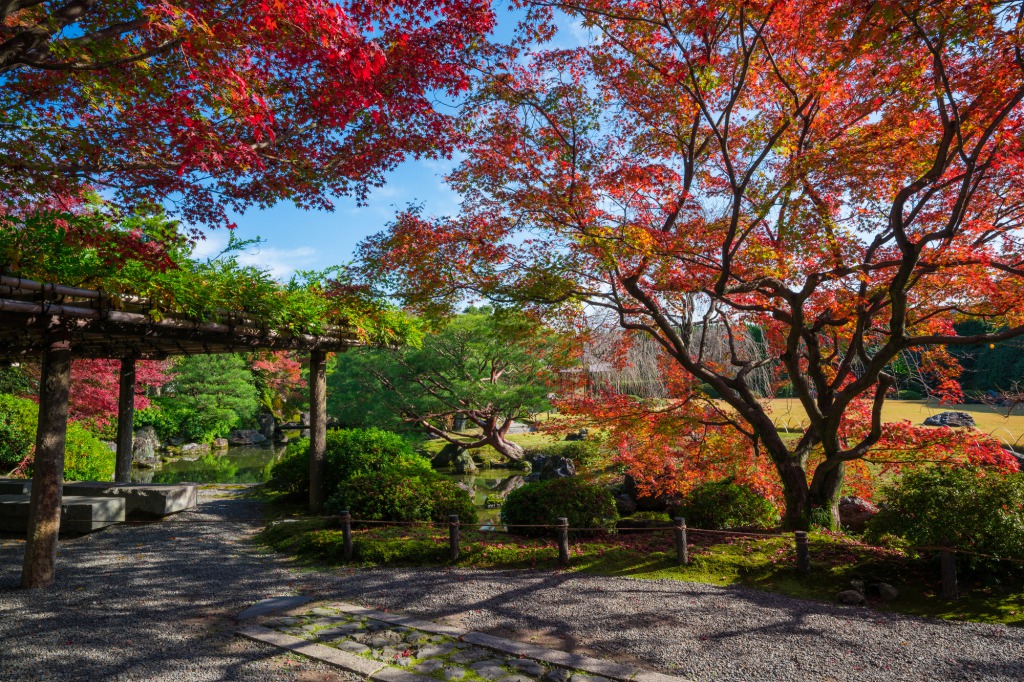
x=379, y=640
x=527, y=666
x=428, y=667
x=517, y=678
x=558, y=675
x=415, y=638
x=433, y=650
x=490, y=669
x=342, y=631
x=453, y=673
x=470, y=655
x=352, y=647
x=322, y=612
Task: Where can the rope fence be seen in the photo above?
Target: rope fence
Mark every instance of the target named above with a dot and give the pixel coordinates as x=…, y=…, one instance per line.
x=678, y=528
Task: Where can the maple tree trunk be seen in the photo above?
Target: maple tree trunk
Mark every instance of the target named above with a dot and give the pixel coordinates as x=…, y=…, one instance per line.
x=48, y=477
x=797, y=494
x=317, y=430
x=125, y=421
x=825, y=489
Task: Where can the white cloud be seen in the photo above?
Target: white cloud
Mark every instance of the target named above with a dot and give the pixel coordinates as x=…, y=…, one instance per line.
x=280, y=263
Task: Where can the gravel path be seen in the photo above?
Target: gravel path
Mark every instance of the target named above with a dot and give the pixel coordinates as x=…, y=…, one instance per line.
x=154, y=602
x=149, y=602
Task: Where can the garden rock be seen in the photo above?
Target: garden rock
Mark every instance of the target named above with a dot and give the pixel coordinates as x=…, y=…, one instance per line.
x=490, y=669
x=432, y=650
x=579, y=435
x=352, y=647
x=267, y=425
x=453, y=673
x=952, y=419
x=888, y=592
x=428, y=667
x=517, y=678
x=246, y=437
x=447, y=456
x=220, y=443
x=144, y=447
x=382, y=639
x=546, y=468
x=854, y=512
x=850, y=597
x=626, y=505
x=464, y=464
x=189, y=449
x=526, y=666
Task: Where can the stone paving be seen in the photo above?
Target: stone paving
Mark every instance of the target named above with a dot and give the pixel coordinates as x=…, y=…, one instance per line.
x=430, y=655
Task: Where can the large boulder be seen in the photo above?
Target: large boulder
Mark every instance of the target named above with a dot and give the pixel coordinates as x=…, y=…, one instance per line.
x=854, y=512
x=246, y=437
x=144, y=446
x=220, y=443
x=267, y=425
x=464, y=464
x=447, y=455
x=194, y=449
x=547, y=467
x=952, y=419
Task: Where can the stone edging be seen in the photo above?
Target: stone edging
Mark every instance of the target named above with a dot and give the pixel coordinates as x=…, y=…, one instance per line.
x=381, y=672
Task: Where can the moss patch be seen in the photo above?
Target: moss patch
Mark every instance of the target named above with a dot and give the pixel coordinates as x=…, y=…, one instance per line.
x=762, y=563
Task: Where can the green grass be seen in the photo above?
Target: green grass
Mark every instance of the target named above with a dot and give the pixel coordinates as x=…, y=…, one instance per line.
x=788, y=413
x=765, y=564
x=525, y=440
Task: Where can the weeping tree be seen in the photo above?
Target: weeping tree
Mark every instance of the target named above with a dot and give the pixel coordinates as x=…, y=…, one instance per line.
x=480, y=370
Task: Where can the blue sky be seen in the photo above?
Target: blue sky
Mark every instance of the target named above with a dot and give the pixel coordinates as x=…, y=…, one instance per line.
x=296, y=239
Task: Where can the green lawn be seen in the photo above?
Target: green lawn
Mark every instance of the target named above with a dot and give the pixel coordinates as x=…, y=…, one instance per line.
x=788, y=413
x=766, y=564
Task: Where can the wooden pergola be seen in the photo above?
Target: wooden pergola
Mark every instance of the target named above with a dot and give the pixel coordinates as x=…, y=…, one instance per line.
x=57, y=323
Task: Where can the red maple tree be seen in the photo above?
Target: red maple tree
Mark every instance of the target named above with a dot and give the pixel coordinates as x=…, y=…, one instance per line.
x=843, y=177
x=217, y=105
x=95, y=388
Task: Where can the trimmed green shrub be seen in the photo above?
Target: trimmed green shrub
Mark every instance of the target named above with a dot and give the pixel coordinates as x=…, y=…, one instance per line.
x=724, y=504
x=974, y=509
x=86, y=457
x=396, y=496
x=584, y=453
x=17, y=429
x=350, y=452
x=909, y=394
x=585, y=504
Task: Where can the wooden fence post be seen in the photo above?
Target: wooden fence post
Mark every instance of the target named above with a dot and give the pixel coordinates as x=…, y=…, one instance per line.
x=803, y=553
x=563, y=540
x=453, y=536
x=682, y=553
x=346, y=534
x=947, y=561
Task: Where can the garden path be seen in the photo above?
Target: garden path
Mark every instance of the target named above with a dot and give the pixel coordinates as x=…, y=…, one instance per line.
x=156, y=602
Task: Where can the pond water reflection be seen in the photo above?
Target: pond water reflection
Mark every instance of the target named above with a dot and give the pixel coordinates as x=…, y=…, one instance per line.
x=252, y=464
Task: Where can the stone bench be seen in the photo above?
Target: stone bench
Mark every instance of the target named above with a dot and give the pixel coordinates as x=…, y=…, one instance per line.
x=77, y=514
x=141, y=500
x=15, y=486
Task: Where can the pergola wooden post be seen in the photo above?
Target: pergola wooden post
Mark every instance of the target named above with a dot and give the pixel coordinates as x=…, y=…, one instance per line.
x=317, y=430
x=48, y=476
x=125, y=421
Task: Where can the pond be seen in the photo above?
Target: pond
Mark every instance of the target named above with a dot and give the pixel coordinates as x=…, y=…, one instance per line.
x=252, y=464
